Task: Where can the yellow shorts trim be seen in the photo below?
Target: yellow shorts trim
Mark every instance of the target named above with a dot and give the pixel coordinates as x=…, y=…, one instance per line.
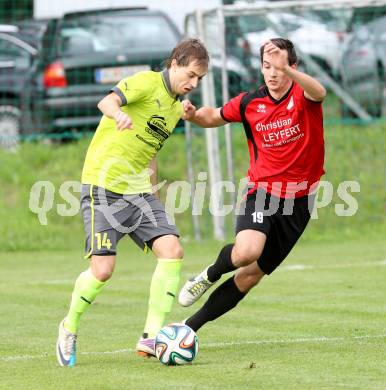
x=88, y=255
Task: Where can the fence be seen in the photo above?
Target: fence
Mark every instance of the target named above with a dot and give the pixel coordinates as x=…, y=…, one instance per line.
x=341, y=43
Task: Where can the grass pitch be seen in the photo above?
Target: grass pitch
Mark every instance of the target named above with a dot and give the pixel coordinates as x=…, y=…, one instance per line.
x=316, y=323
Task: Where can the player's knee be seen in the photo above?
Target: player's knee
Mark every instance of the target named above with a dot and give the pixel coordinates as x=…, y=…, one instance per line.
x=102, y=267
x=103, y=273
x=174, y=251
x=167, y=247
x=177, y=252
x=243, y=256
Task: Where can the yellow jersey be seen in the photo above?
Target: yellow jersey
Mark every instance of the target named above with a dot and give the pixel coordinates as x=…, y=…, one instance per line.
x=119, y=160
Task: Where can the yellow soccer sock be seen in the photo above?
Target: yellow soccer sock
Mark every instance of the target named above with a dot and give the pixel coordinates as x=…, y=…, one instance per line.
x=87, y=287
x=163, y=289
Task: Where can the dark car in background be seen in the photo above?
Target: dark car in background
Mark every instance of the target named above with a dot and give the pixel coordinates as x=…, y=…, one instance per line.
x=75, y=60
x=16, y=57
x=84, y=54
x=19, y=46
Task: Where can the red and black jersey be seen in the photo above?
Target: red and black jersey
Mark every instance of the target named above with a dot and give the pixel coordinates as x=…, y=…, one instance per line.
x=285, y=139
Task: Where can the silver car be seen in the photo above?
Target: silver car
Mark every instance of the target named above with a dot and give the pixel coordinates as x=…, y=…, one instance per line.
x=363, y=67
x=15, y=61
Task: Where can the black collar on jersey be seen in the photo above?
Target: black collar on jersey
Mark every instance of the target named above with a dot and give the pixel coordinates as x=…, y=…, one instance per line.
x=277, y=101
x=167, y=84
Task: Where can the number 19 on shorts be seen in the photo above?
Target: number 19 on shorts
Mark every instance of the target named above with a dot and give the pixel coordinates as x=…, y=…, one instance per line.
x=257, y=217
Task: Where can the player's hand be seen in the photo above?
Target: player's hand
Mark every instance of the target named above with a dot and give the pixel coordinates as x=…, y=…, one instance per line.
x=278, y=58
x=189, y=110
x=123, y=121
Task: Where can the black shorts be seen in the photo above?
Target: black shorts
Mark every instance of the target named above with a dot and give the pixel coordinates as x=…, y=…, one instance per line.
x=281, y=220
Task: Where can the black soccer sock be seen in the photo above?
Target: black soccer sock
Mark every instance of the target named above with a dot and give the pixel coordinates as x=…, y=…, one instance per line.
x=222, y=265
x=223, y=299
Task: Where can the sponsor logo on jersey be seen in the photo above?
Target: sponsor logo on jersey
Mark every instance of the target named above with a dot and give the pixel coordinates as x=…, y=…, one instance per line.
x=156, y=127
x=261, y=108
x=273, y=125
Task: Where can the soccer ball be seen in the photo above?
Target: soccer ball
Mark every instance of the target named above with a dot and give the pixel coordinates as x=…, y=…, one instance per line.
x=176, y=344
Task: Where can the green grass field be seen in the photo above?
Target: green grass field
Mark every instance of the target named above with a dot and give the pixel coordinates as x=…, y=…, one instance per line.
x=316, y=323
x=319, y=322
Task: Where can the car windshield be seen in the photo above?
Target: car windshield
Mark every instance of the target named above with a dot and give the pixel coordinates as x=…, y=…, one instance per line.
x=96, y=34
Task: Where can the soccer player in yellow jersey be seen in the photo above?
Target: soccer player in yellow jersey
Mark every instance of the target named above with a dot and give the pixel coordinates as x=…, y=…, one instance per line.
x=139, y=114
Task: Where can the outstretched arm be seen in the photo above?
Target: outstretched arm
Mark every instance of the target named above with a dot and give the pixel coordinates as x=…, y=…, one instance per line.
x=278, y=58
x=204, y=117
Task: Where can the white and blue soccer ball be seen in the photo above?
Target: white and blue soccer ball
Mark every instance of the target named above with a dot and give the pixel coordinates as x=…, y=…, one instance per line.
x=176, y=344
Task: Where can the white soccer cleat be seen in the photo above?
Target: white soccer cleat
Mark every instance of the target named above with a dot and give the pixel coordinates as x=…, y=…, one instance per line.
x=194, y=288
x=66, y=347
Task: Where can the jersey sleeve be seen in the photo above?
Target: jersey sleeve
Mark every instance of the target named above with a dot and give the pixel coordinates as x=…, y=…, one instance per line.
x=134, y=88
x=299, y=95
x=230, y=111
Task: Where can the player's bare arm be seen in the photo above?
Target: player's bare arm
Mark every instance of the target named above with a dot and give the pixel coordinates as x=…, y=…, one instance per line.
x=110, y=106
x=204, y=117
x=278, y=58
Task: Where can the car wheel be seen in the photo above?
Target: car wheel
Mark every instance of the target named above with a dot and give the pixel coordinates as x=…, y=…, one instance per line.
x=9, y=126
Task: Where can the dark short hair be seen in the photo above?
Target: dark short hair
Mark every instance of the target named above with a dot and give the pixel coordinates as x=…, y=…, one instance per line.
x=187, y=51
x=284, y=44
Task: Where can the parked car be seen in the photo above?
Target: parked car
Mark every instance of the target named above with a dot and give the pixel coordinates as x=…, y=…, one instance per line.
x=363, y=67
x=84, y=54
x=310, y=34
x=16, y=57
x=82, y=57
x=32, y=31
x=77, y=59
x=19, y=45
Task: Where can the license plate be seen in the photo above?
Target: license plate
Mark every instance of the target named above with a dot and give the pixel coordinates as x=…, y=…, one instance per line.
x=115, y=74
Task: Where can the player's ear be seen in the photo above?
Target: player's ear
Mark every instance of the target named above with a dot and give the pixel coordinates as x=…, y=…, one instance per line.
x=173, y=64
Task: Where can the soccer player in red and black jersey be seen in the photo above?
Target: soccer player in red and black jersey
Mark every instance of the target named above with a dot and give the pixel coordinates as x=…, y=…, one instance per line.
x=283, y=123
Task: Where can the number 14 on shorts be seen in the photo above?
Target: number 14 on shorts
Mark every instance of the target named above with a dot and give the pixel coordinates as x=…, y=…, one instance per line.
x=103, y=241
x=257, y=217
